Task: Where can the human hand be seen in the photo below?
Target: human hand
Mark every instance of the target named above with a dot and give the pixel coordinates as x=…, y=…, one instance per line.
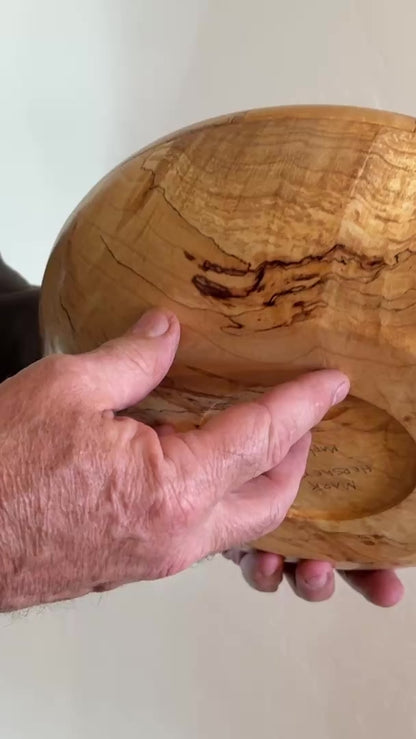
x=312, y=580
x=90, y=500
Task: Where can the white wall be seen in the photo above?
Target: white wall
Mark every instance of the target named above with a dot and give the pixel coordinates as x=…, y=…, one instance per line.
x=84, y=84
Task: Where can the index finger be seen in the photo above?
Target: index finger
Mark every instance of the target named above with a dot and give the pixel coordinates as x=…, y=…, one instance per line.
x=249, y=439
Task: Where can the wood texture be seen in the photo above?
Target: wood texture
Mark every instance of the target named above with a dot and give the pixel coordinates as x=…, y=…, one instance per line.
x=284, y=240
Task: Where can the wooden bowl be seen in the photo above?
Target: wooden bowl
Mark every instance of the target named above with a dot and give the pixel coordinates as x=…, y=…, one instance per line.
x=284, y=240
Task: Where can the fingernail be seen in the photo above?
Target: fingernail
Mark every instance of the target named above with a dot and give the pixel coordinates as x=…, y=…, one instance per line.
x=341, y=392
x=316, y=582
x=152, y=324
x=269, y=566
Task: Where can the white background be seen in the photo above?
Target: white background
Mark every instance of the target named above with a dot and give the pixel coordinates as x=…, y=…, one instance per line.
x=84, y=84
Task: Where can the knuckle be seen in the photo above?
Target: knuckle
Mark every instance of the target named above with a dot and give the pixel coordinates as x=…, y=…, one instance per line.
x=190, y=481
x=179, y=510
x=274, y=515
x=173, y=505
x=273, y=433
x=140, y=361
x=60, y=367
x=67, y=376
x=270, y=519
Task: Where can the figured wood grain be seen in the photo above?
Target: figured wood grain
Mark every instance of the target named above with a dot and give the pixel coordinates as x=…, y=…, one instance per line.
x=284, y=240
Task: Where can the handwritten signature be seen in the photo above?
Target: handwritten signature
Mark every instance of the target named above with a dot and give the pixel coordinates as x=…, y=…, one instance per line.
x=335, y=477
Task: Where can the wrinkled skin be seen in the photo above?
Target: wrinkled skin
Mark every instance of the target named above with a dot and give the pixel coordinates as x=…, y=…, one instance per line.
x=90, y=499
x=112, y=501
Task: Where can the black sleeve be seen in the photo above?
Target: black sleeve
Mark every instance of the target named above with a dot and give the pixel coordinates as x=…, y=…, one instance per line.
x=19, y=323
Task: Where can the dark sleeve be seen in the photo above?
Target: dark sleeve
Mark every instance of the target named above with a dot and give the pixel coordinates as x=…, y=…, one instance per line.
x=19, y=323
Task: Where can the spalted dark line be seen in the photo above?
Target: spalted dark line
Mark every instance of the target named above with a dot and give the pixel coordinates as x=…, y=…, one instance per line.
x=65, y=310
x=218, y=291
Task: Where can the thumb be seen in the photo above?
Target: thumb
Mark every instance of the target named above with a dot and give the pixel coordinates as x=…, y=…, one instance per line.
x=123, y=371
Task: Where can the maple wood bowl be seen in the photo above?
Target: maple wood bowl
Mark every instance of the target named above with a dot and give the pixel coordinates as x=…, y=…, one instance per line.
x=284, y=240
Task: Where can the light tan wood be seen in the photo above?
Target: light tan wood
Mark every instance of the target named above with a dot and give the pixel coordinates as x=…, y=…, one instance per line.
x=284, y=240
